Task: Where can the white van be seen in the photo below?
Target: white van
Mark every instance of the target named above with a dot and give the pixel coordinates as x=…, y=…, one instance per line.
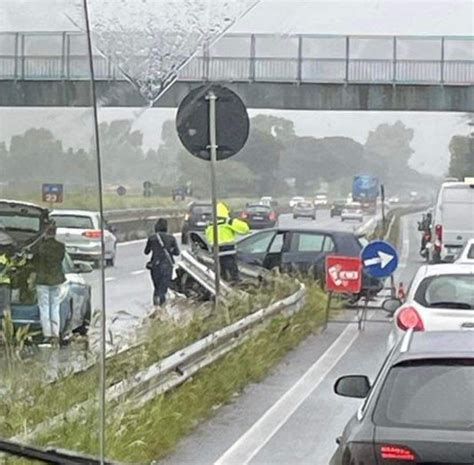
x=453, y=220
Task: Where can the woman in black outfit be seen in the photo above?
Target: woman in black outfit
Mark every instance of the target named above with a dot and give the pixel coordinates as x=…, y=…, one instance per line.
x=163, y=247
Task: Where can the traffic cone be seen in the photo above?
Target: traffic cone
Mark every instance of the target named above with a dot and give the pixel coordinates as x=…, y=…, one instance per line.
x=401, y=292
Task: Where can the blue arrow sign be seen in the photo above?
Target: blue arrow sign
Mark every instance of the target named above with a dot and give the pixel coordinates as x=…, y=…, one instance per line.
x=379, y=259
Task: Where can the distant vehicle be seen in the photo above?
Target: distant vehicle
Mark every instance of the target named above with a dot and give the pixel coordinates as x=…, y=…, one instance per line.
x=303, y=250
x=467, y=254
x=25, y=224
x=419, y=409
x=198, y=216
x=352, y=211
x=304, y=209
x=394, y=200
x=268, y=201
x=320, y=200
x=440, y=297
x=453, y=220
x=365, y=190
x=81, y=231
x=259, y=216
x=414, y=196
x=295, y=200
x=337, y=207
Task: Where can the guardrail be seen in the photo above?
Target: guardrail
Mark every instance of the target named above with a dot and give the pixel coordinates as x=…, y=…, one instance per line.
x=260, y=58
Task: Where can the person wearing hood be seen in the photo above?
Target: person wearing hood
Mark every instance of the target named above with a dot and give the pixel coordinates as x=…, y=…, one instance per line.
x=228, y=230
x=163, y=248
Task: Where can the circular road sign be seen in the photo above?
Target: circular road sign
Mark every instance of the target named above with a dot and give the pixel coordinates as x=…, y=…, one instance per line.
x=192, y=122
x=121, y=190
x=379, y=259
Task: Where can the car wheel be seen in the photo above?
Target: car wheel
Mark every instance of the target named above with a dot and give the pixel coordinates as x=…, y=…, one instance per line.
x=184, y=239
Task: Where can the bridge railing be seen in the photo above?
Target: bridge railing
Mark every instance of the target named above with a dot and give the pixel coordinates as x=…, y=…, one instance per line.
x=261, y=58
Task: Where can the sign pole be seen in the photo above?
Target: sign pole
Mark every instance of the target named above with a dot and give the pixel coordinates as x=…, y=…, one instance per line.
x=211, y=96
x=382, y=197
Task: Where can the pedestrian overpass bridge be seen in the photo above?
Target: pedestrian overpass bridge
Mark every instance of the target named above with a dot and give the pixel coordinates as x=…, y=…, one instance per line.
x=290, y=72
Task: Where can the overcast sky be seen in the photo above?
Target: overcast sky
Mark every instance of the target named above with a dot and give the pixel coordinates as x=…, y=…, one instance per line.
x=419, y=17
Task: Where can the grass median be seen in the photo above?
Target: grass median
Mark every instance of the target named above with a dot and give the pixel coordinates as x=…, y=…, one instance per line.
x=27, y=400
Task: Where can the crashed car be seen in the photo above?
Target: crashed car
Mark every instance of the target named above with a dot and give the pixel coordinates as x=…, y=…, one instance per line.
x=25, y=223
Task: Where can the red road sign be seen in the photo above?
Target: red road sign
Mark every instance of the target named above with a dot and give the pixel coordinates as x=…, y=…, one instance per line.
x=343, y=274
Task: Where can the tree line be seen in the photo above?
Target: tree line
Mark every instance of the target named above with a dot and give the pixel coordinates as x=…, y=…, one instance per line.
x=275, y=160
x=461, y=149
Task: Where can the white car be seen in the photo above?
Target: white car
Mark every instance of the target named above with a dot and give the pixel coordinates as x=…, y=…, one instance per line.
x=80, y=231
x=320, y=200
x=467, y=254
x=295, y=200
x=352, y=211
x=394, y=200
x=441, y=297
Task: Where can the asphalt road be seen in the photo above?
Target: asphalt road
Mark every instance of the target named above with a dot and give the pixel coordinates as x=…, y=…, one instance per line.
x=293, y=417
x=128, y=288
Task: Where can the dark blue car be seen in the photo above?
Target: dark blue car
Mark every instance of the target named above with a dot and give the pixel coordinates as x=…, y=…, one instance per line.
x=303, y=250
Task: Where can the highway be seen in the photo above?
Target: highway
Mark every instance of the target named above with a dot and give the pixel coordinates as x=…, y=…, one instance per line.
x=293, y=417
x=128, y=287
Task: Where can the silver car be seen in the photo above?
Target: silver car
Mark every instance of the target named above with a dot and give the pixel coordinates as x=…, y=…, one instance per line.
x=80, y=231
x=352, y=211
x=304, y=209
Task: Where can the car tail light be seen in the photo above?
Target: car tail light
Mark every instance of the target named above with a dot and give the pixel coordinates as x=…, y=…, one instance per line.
x=93, y=234
x=244, y=215
x=393, y=452
x=409, y=318
x=439, y=236
x=272, y=216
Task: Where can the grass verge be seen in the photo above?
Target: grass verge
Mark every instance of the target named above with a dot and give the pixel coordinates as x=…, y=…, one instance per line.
x=144, y=434
x=26, y=400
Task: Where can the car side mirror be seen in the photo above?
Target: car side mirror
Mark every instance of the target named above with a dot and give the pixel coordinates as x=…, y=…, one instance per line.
x=357, y=386
x=391, y=305
x=83, y=267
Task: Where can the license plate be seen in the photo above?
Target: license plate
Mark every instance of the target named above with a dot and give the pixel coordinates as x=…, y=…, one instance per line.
x=71, y=249
x=200, y=223
x=259, y=218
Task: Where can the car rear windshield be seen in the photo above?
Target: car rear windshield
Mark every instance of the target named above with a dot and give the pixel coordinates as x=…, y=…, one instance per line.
x=304, y=205
x=202, y=210
x=428, y=394
x=73, y=221
x=21, y=223
x=258, y=209
x=447, y=291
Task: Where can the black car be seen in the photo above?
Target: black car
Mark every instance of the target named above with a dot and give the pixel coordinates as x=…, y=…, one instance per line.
x=420, y=409
x=259, y=216
x=337, y=207
x=198, y=216
x=302, y=250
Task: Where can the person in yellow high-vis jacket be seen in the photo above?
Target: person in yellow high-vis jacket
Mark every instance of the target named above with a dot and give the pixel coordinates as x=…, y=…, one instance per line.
x=227, y=232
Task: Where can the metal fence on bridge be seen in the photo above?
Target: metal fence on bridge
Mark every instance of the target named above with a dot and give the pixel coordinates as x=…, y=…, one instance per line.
x=261, y=58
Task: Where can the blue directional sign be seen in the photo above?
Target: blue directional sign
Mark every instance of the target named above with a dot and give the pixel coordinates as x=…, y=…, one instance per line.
x=53, y=193
x=379, y=259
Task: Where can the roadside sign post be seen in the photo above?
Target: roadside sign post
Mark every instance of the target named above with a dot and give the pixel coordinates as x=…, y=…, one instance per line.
x=211, y=97
x=382, y=198
x=213, y=125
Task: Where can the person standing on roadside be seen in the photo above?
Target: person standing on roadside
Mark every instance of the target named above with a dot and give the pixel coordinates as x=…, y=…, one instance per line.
x=48, y=263
x=163, y=248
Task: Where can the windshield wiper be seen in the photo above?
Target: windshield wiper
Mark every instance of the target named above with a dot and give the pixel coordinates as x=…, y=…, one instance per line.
x=56, y=456
x=453, y=305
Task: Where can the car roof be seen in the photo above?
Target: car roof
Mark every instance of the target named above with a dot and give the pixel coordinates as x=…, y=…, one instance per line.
x=74, y=212
x=310, y=230
x=421, y=345
x=445, y=269
x=21, y=203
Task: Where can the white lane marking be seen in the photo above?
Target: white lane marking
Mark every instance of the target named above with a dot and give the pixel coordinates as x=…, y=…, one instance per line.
x=137, y=272
x=254, y=439
x=110, y=278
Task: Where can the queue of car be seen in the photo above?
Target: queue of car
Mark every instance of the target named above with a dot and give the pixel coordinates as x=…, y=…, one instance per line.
x=420, y=408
